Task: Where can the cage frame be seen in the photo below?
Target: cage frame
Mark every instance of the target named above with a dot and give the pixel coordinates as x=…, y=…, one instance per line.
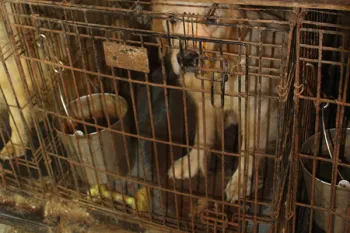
x=305, y=4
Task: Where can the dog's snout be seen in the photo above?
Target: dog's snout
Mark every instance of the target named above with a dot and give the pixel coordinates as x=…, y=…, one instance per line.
x=187, y=58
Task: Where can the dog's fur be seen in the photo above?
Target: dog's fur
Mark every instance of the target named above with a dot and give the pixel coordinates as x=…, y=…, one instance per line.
x=245, y=111
x=16, y=97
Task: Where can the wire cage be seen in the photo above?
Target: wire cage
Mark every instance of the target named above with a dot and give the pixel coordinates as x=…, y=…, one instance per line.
x=321, y=114
x=180, y=115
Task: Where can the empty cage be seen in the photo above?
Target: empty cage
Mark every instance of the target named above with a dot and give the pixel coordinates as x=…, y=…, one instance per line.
x=320, y=130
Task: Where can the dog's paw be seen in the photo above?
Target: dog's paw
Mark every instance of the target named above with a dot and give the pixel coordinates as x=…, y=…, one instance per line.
x=230, y=119
x=235, y=189
x=232, y=188
x=10, y=151
x=180, y=168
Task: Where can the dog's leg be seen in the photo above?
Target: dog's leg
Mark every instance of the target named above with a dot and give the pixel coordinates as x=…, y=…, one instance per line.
x=268, y=131
x=18, y=107
x=196, y=157
x=235, y=187
x=19, y=136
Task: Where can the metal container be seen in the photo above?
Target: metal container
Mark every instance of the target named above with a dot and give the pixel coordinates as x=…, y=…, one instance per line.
x=102, y=149
x=322, y=190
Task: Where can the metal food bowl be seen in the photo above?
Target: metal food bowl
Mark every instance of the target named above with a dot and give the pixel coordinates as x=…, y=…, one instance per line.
x=322, y=191
x=100, y=148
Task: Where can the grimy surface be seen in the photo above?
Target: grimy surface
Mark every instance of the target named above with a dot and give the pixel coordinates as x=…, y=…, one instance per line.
x=319, y=4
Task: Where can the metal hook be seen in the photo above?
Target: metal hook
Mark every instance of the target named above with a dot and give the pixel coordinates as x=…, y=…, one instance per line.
x=59, y=89
x=299, y=88
x=38, y=43
x=65, y=108
x=61, y=70
x=223, y=81
x=312, y=68
x=282, y=93
x=45, y=38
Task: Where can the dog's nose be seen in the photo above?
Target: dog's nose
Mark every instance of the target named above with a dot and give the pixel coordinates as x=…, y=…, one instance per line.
x=187, y=58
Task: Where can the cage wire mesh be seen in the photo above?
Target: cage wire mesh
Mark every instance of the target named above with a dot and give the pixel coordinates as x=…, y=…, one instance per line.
x=321, y=114
x=105, y=97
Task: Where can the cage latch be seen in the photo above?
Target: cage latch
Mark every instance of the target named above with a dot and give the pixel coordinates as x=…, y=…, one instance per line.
x=222, y=86
x=222, y=78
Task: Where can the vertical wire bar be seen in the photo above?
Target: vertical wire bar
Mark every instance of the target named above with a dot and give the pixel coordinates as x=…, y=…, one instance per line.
x=42, y=51
x=295, y=148
x=156, y=151
x=318, y=96
x=168, y=121
x=152, y=126
x=32, y=68
x=194, y=32
x=256, y=130
x=21, y=72
x=282, y=129
x=184, y=27
x=171, y=155
x=70, y=61
x=48, y=90
x=345, y=91
x=124, y=36
x=142, y=155
x=170, y=137
x=204, y=130
x=58, y=46
x=222, y=121
x=115, y=86
x=184, y=99
x=8, y=76
x=342, y=94
x=73, y=163
x=240, y=33
x=47, y=126
x=133, y=101
x=38, y=64
x=106, y=115
x=3, y=124
x=246, y=139
x=17, y=177
x=46, y=150
x=35, y=160
x=82, y=52
x=168, y=32
x=335, y=158
x=35, y=74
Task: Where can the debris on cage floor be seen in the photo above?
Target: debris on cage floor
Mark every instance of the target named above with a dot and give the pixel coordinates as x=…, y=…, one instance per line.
x=9, y=229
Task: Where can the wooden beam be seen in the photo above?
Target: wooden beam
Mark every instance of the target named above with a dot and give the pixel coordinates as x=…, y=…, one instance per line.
x=317, y=4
